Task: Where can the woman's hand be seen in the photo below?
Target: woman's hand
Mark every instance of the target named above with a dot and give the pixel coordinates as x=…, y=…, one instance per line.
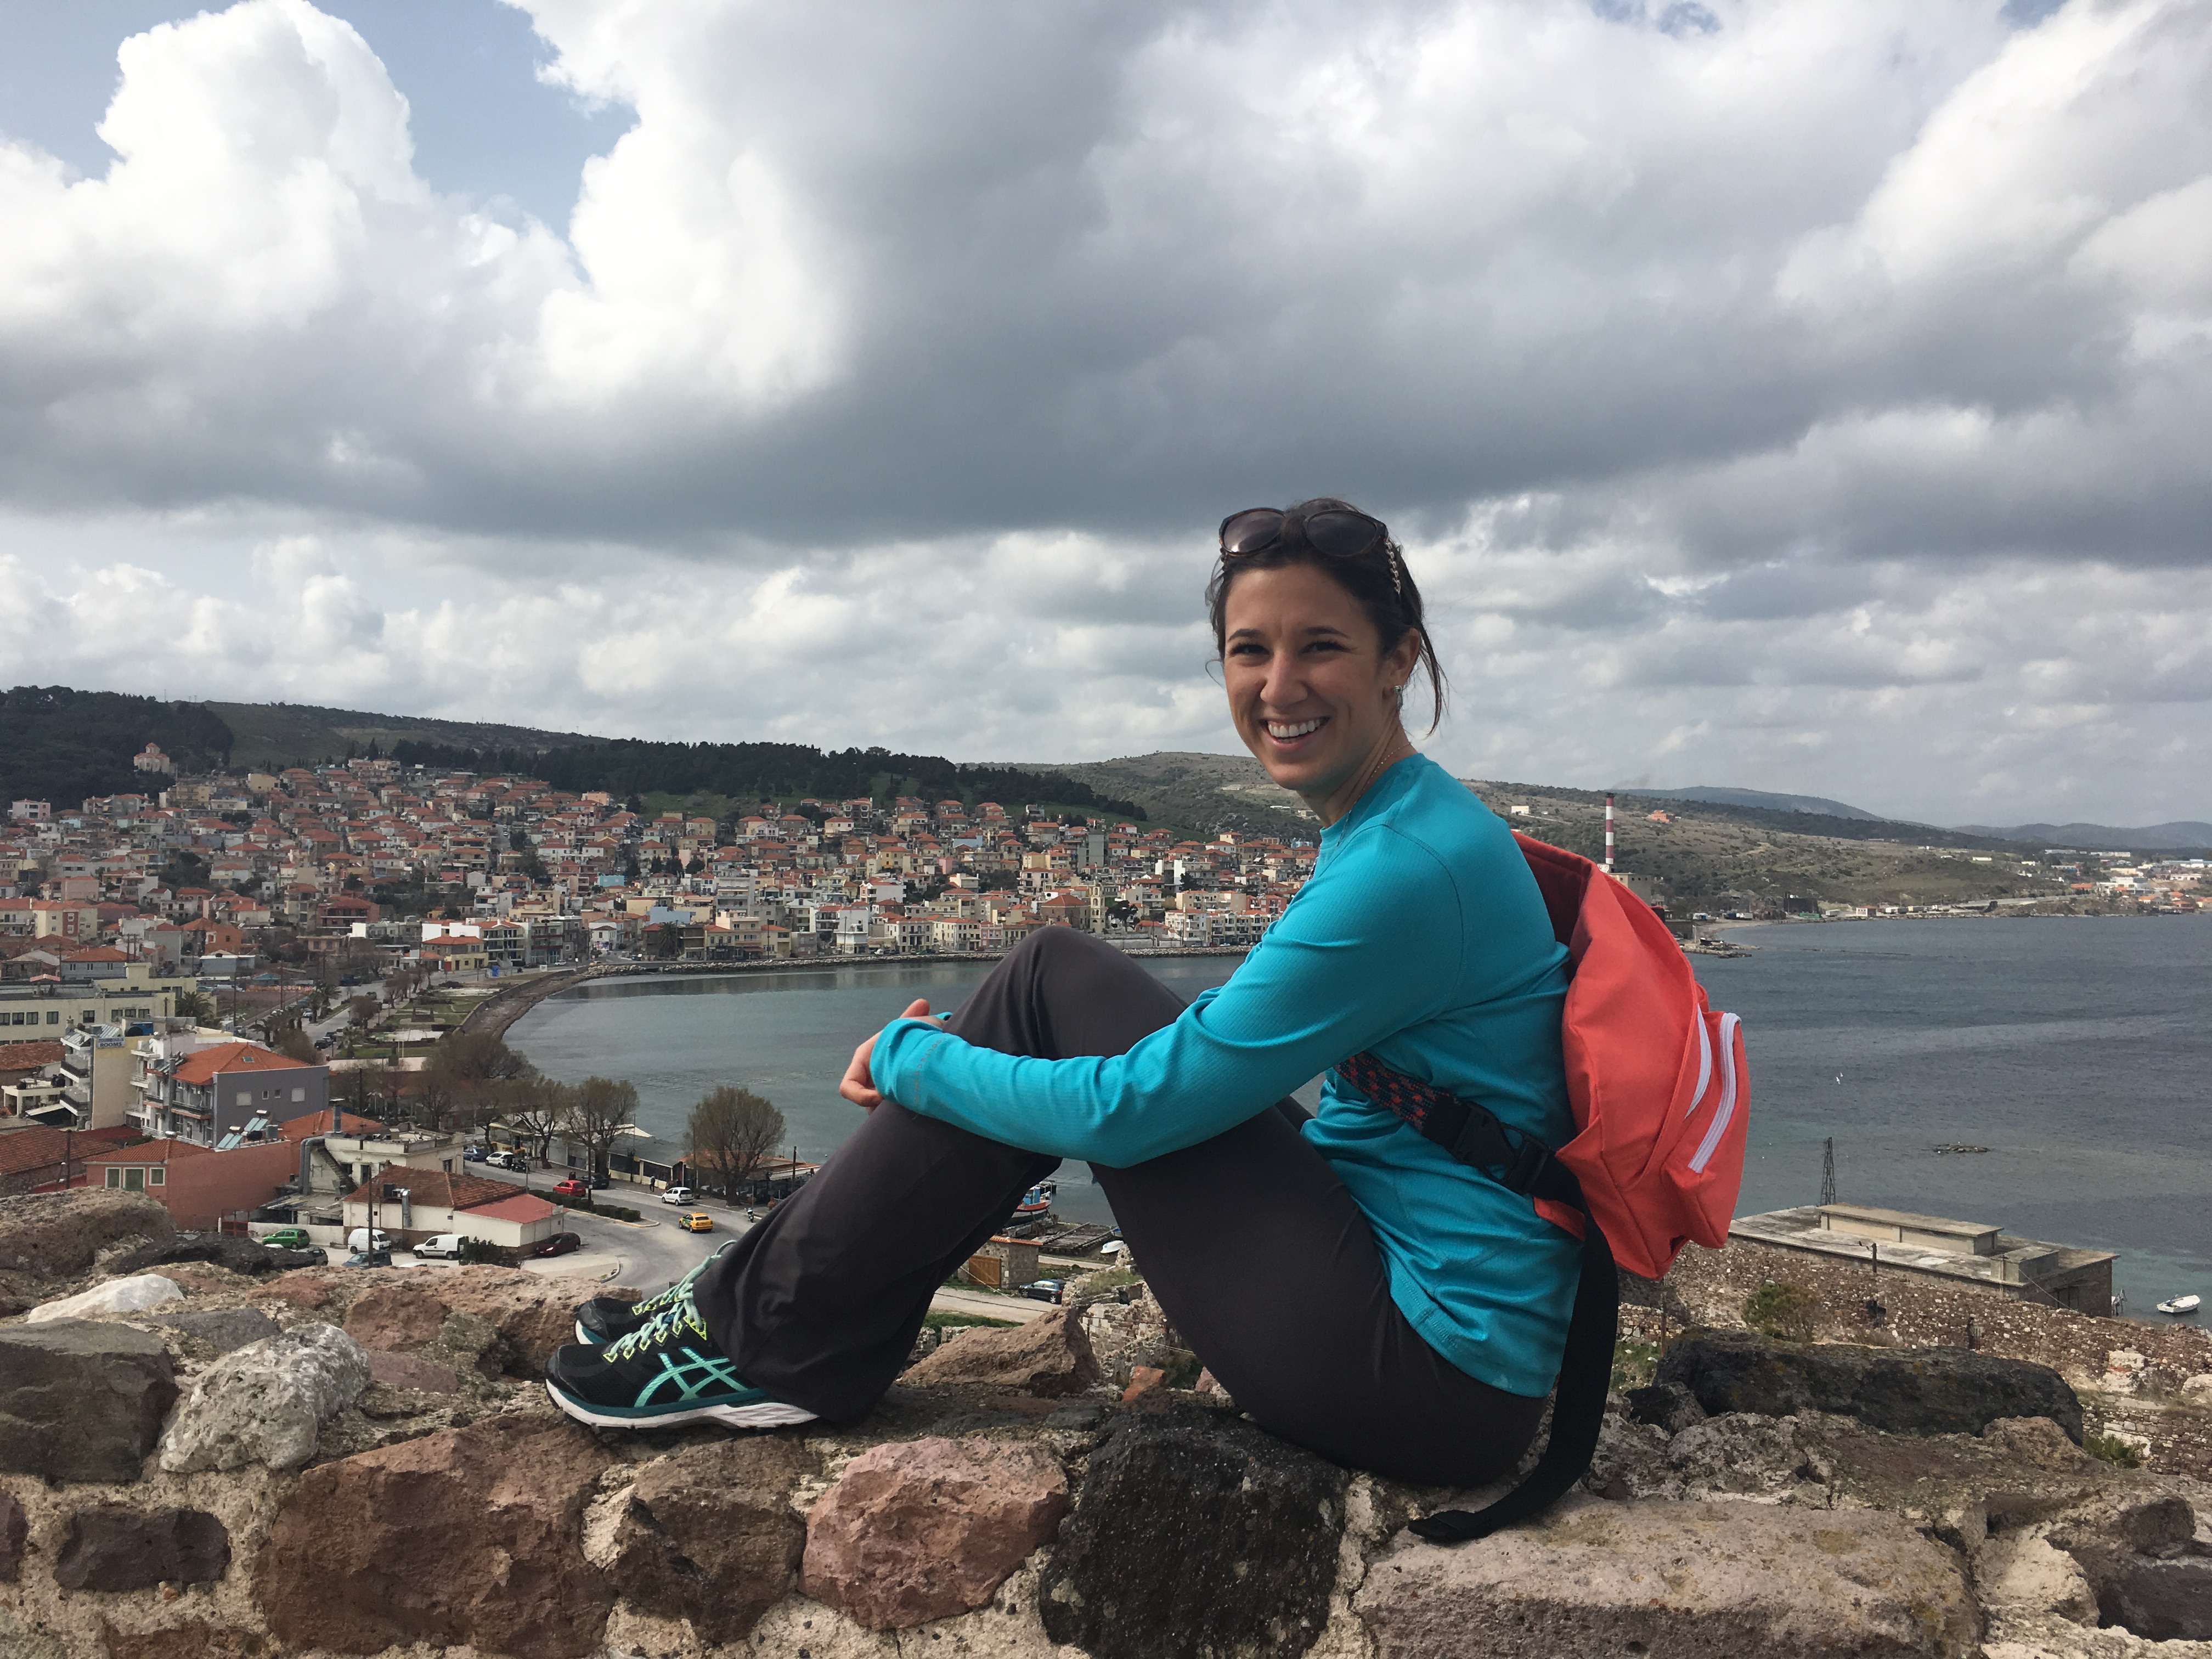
x=858, y=1084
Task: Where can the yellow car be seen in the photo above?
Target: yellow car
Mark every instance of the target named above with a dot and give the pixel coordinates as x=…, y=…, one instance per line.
x=696, y=1221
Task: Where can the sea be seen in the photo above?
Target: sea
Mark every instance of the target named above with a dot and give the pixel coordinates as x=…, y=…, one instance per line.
x=2076, y=1050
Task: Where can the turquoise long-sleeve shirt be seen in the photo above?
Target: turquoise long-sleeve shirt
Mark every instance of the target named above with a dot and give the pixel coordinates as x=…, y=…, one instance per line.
x=1421, y=936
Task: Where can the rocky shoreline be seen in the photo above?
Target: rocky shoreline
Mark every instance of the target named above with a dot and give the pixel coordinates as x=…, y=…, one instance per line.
x=313, y=1461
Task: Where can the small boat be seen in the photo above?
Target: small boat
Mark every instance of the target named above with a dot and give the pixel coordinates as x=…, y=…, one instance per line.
x=1036, y=1204
x=2179, y=1304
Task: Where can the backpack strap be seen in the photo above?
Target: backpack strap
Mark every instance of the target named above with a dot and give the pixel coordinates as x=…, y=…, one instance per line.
x=1473, y=1135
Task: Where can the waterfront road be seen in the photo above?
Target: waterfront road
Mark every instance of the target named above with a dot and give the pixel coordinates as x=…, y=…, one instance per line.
x=656, y=1252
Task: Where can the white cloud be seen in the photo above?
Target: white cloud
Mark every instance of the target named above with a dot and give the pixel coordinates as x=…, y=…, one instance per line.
x=1810, y=394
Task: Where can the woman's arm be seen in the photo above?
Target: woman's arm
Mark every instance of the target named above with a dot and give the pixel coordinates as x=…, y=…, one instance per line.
x=1370, y=946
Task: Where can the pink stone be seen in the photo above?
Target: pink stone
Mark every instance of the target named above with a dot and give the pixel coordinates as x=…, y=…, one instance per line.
x=1143, y=1379
x=404, y=1371
x=925, y=1529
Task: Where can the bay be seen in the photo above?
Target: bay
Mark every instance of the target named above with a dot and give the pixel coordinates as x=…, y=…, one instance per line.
x=2077, y=1050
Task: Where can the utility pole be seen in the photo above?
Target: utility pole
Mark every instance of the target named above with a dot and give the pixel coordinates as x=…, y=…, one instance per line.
x=1828, y=1170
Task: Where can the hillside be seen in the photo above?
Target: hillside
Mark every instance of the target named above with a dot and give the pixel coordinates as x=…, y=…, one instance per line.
x=63, y=745
x=279, y=734
x=1715, y=854
x=1202, y=794
x=1713, y=795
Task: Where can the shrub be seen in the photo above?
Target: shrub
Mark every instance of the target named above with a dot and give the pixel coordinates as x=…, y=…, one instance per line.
x=1634, y=1363
x=1787, y=1312
x=570, y=1201
x=2121, y=1454
x=937, y=1322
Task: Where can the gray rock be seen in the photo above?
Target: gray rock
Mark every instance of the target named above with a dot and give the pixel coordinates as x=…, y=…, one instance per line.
x=266, y=1403
x=21, y=1641
x=59, y=1234
x=113, y=1547
x=1900, y=1390
x=1716, y=1580
x=709, y=1534
x=241, y=1254
x=1667, y=1406
x=1196, y=1533
x=109, y=1296
x=224, y=1329
x=14, y=1529
x=81, y=1401
x=2160, y=1601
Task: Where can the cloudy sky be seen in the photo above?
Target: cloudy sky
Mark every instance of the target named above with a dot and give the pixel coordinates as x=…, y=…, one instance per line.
x=1807, y=395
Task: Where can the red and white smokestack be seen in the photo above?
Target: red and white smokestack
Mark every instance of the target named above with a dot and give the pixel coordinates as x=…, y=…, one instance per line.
x=1608, y=832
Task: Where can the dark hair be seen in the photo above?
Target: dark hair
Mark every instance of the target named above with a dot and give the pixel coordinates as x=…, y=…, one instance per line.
x=1377, y=579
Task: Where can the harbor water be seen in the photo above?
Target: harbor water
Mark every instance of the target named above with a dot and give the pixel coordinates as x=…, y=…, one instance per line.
x=2077, y=1050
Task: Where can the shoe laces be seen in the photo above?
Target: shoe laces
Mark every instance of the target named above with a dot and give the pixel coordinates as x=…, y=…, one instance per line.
x=655, y=1330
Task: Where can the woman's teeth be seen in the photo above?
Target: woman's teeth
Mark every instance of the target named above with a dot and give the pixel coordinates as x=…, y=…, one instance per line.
x=1286, y=732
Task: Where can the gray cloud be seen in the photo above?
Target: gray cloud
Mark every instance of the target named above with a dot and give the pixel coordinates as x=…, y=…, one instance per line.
x=1808, y=395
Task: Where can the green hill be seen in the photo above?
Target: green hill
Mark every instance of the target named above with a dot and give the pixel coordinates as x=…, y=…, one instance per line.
x=65, y=745
x=279, y=734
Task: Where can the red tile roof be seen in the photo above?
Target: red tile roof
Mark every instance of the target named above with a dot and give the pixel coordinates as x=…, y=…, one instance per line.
x=434, y=1186
x=523, y=1207
x=29, y=1056
x=226, y=1058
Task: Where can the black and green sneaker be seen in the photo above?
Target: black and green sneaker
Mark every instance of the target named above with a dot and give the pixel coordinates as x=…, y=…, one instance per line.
x=666, y=1371
x=604, y=1318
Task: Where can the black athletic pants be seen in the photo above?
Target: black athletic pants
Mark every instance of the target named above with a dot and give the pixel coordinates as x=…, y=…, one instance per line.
x=1258, y=1255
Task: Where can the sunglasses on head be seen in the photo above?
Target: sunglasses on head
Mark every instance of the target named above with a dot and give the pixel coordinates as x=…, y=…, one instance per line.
x=1336, y=533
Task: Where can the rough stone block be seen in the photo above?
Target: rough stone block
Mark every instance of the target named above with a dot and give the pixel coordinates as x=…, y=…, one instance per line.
x=923, y=1530
x=239, y=1254
x=472, y=1535
x=81, y=1400
x=1714, y=1580
x=59, y=1234
x=395, y=1317
x=224, y=1329
x=406, y=1370
x=266, y=1403
x=1047, y=1356
x=535, y=1312
x=1196, y=1533
x=709, y=1534
x=1667, y=1405
x=15, y=1530
x=1900, y=1390
x=114, y=1547
x=114, y=1295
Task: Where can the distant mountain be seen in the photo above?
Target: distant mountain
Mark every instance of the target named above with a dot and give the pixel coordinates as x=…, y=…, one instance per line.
x=1761, y=798
x=2188, y=835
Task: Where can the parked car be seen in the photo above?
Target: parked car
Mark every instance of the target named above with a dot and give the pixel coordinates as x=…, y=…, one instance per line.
x=358, y=1240
x=369, y=1259
x=599, y=1184
x=559, y=1244
x=1044, y=1289
x=445, y=1247
x=696, y=1221
x=572, y=1187
x=677, y=1196
x=474, y=1154
x=285, y=1238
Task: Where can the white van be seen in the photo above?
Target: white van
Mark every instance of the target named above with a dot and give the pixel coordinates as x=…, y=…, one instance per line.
x=357, y=1240
x=445, y=1245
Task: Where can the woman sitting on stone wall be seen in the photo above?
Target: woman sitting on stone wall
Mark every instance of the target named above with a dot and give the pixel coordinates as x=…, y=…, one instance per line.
x=1354, y=1288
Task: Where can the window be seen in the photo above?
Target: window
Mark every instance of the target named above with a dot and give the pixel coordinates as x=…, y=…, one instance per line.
x=134, y=1180
x=156, y=1176
x=53, y=1016
x=446, y=1164
x=246, y=1096
x=299, y=1094
x=114, y=1176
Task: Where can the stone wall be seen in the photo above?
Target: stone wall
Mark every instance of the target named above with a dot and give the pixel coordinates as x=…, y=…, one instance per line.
x=318, y=1462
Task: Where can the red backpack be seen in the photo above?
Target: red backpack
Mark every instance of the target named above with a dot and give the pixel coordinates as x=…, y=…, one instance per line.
x=1659, y=1092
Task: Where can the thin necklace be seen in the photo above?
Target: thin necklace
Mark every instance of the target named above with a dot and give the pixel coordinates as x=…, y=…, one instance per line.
x=1388, y=755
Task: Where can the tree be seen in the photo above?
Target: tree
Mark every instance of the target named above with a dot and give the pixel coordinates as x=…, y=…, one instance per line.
x=599, y=1108
x=535, y=1108
x=478, y=1057
x=294, y=1045
x=363, y=1009
x=664, y=941
x=729, y=1133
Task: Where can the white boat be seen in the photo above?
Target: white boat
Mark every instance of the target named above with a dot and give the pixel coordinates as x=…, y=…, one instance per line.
x=2179, y=1304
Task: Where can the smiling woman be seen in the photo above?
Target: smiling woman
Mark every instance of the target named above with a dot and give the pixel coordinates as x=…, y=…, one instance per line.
x=1357, y=1289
